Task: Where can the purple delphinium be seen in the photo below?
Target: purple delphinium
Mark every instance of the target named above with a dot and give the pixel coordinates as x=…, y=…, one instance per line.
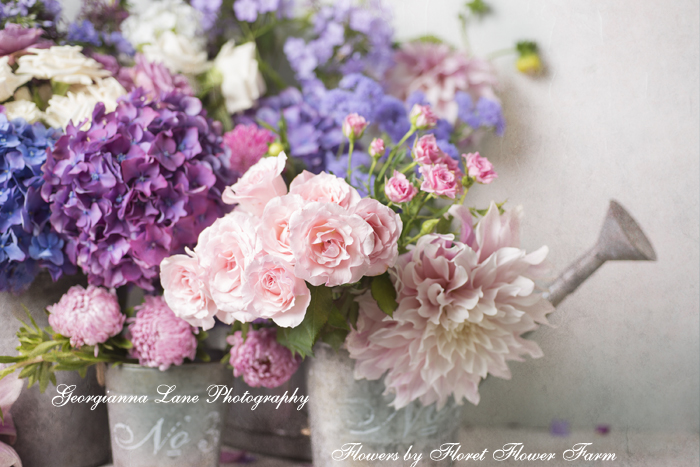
x=209, y=10
x=139, y=185
x=347, y=39
x=27, y=240
x=83, y=32
x=32, y=13
x=248, y=10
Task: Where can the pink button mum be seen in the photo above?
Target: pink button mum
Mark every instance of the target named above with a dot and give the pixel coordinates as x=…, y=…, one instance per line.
x=261, y=360
x=247, y=144
x=88, y=316
x=439, y=179
x=399, y=189
x=160, y=338
x=480, y=168
x=354, y=126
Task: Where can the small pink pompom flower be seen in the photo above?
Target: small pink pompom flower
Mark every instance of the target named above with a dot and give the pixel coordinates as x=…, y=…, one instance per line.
x=422, y=117
x=248, y=144
x=261, y=360
x=479, y=167
x=439, y=179
x=377, y=148
x=399, y=189
x=160, y=338
x=88, y=316
x=354, y=126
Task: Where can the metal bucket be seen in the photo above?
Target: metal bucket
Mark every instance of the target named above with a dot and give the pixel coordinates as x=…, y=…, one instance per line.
x=158, y=434
x=43, y=430
x=348, y=414
x=268, y=430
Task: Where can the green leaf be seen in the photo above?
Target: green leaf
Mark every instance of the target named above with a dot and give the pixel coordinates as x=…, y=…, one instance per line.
x=121, y=342
x=384, y=293
x=7, y=359
x=302, y=338
x=203, y=355
x=337, y=319
x=334, y=338
x=42, y=348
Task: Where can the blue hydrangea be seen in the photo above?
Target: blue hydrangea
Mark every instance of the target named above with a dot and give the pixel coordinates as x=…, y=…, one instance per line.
x=27, y=240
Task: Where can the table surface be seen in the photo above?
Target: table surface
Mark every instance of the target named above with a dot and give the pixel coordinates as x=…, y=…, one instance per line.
x=632, y=449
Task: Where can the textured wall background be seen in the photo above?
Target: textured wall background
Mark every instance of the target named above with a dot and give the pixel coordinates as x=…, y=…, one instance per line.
x=616, y=117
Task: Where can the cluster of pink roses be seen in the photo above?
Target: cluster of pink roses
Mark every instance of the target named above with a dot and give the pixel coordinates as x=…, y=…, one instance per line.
x=441, y=173
x=255, y=262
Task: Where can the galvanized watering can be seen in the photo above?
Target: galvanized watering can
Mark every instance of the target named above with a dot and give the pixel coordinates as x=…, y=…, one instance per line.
x=343, y=410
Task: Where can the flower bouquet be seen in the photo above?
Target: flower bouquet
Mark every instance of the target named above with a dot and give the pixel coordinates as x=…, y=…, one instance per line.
x=299, y=180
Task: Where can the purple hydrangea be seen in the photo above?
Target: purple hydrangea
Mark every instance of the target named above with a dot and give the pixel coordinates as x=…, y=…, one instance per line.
x=346, y=39
x=27, y=240
x=139, y=185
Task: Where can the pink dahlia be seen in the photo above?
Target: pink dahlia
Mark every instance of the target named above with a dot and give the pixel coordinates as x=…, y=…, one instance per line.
x=261, y=360
x=439, y=72
x=247, y=145
x=88, y=316
x=160, y=338
x=461, y=315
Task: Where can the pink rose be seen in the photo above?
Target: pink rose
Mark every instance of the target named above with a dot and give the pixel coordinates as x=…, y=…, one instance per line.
x=354, y=126
x=185, y=290
x=258, y=185
x=399, y=189
x=331, y=245
x=480, y=168
x=224, y=250
x=275, y=292
x=325, y=188
x=274, y=225
x=439, y=179
x=427, y=152
x=387, y=226
x=422, y=117
x=376, y=148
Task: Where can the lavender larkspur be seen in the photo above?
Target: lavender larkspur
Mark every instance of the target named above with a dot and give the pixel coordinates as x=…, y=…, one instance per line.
x=27, y=241
x=138, y=185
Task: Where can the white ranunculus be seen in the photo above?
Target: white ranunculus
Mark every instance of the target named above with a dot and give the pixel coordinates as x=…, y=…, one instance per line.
x=149, y=19
x=180, y=54
x=61, y=63
x=23, y=109
x=242, y=82
x=77, y=105
x=9, y=81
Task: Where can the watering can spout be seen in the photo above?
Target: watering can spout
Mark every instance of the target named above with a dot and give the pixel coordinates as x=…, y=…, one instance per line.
x=621, y=238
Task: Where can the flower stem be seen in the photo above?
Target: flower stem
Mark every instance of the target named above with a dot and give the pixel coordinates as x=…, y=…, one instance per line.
x=390, y=159
x=409, y=167
x=350, y=149
x=369, y=178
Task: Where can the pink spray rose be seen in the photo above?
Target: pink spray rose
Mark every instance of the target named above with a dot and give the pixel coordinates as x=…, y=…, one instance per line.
x=479, y=167
x=247, y=144
x=354, y=126
x=422, y=117
x=160, y=338
x=325, y=188
x=261, y=360
x=442, y=181
x=258, y=185
x=186, y=292
x=331, y=245
x=376, y=148
x=275, y=292
x=274, y=225
x=225, y=249
x=427, y=152
x=88, y=316
x=399, y=189
x=387, y=226
x=440, y=73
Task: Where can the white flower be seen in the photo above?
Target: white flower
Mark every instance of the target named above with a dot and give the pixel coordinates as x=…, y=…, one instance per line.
x=61, y=63
x=23, y=109
x=168, y=31
x=79, y=103
x=242, y=82
x=180, y=54
x=9, y=81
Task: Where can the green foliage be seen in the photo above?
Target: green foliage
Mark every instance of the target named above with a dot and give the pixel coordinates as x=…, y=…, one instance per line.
x=384, y=293
x=301, y=339
x=478, y=7
x=526, y=48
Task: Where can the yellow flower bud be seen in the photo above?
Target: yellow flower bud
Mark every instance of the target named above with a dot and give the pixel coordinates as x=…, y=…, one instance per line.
x=529, y=64
x=275, y=148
